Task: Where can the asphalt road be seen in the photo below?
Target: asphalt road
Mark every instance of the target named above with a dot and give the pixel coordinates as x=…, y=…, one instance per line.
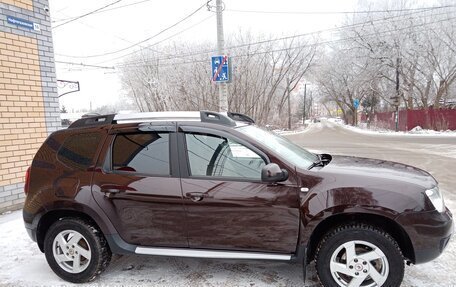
x=22, y=264
x=435, y=154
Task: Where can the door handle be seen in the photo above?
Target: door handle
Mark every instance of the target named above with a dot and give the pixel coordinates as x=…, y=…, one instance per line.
x=197, y=196
x=109, y=192
x=110, y=189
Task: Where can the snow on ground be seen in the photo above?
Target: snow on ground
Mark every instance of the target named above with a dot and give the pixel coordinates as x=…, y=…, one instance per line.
x=22, y=264
x=445, y=150
x=417, y=131
x=292, y=132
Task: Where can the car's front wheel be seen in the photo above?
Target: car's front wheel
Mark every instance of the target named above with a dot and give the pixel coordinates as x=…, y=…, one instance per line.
x=76, y=250
x=359, y=255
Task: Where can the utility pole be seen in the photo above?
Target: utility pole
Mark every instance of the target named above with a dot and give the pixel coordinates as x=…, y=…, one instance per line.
x=289, y=103
x=396, y=100
x=223, y=89
x=311, y=106
x=304, y=106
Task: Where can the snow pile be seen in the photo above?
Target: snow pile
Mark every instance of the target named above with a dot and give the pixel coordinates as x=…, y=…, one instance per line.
x=299, y=130
x=415, y=131
x=420, y=130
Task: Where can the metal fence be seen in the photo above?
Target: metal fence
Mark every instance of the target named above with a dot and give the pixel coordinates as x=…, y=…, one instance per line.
x=432, y=119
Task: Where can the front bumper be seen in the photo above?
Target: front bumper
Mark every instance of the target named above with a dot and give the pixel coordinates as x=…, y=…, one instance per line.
x=429, y=232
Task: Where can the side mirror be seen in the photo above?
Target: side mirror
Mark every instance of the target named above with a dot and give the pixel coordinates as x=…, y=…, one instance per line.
x=273, y=173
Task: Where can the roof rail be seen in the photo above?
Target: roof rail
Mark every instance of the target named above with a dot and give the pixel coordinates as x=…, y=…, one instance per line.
x=241, y=117
x=157, y=116
x=216, y=118
x=93, y=121
x=227, y=119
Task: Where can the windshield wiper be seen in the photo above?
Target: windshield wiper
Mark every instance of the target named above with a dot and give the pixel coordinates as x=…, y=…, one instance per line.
x=319, y=162
x=323, y=159
x=316, y=163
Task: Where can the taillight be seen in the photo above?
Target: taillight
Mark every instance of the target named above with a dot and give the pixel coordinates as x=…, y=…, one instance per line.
x=27, y=180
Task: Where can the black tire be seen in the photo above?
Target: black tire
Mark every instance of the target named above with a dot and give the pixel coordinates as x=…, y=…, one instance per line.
x=100, y=254
x=362, y=238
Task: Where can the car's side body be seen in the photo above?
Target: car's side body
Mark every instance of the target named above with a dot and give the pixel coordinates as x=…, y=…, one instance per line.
x=225, y=217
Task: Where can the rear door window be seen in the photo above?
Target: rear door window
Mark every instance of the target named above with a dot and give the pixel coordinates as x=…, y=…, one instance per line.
x=145, y=153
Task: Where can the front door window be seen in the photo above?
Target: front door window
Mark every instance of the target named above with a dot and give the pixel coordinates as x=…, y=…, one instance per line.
x=213, y=156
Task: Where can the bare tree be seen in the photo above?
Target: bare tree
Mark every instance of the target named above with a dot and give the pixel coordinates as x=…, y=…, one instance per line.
x=264, y=75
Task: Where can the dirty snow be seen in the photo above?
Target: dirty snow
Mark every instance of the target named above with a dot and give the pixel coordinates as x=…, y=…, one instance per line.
x=416, y=131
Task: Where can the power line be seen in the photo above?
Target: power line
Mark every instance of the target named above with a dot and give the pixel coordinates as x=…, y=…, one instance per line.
x=131, y=64
x=146, y=47
x=106, y=10
x=85, y=65
x=302, y=35
x=106, y=32
x=87, y=14
x=159, y=42
x=335, y=12
x=300, y=46
x=417, y=11
x=145, y=40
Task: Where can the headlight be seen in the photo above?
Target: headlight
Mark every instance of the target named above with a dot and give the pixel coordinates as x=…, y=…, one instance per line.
x=436, y=198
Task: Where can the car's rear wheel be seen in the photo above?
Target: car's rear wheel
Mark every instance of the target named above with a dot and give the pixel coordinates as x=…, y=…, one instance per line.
x=76, y=250
x=359, y=255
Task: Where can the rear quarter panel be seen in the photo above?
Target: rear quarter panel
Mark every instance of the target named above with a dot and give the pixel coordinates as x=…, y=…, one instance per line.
x=56, y=185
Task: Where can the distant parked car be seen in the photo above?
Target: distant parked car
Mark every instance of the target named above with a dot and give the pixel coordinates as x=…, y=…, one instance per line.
x=337, y=120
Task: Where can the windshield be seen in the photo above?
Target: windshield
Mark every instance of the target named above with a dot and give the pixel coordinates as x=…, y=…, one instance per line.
x=289, y=151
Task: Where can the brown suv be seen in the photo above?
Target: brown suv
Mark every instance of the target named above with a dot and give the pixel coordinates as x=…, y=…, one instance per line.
x=204, y=184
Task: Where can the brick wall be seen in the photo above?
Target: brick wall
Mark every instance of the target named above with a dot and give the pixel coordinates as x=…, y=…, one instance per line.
x=29, y=108
x=25, y=4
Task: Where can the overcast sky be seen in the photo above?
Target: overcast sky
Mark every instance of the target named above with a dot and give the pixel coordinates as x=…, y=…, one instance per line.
x=106, y=32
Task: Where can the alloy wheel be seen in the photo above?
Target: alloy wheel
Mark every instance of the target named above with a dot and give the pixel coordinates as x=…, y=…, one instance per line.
x=359, y=263
x=71, y=251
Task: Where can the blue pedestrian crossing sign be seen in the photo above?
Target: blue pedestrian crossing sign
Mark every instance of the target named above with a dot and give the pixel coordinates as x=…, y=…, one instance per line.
x=220, y=69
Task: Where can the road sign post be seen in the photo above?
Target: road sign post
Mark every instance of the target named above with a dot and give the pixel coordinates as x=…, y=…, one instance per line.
x=222, y=86
x=356, y=105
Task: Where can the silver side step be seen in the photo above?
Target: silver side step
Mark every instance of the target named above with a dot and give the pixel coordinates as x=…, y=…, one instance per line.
x=200, y=253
